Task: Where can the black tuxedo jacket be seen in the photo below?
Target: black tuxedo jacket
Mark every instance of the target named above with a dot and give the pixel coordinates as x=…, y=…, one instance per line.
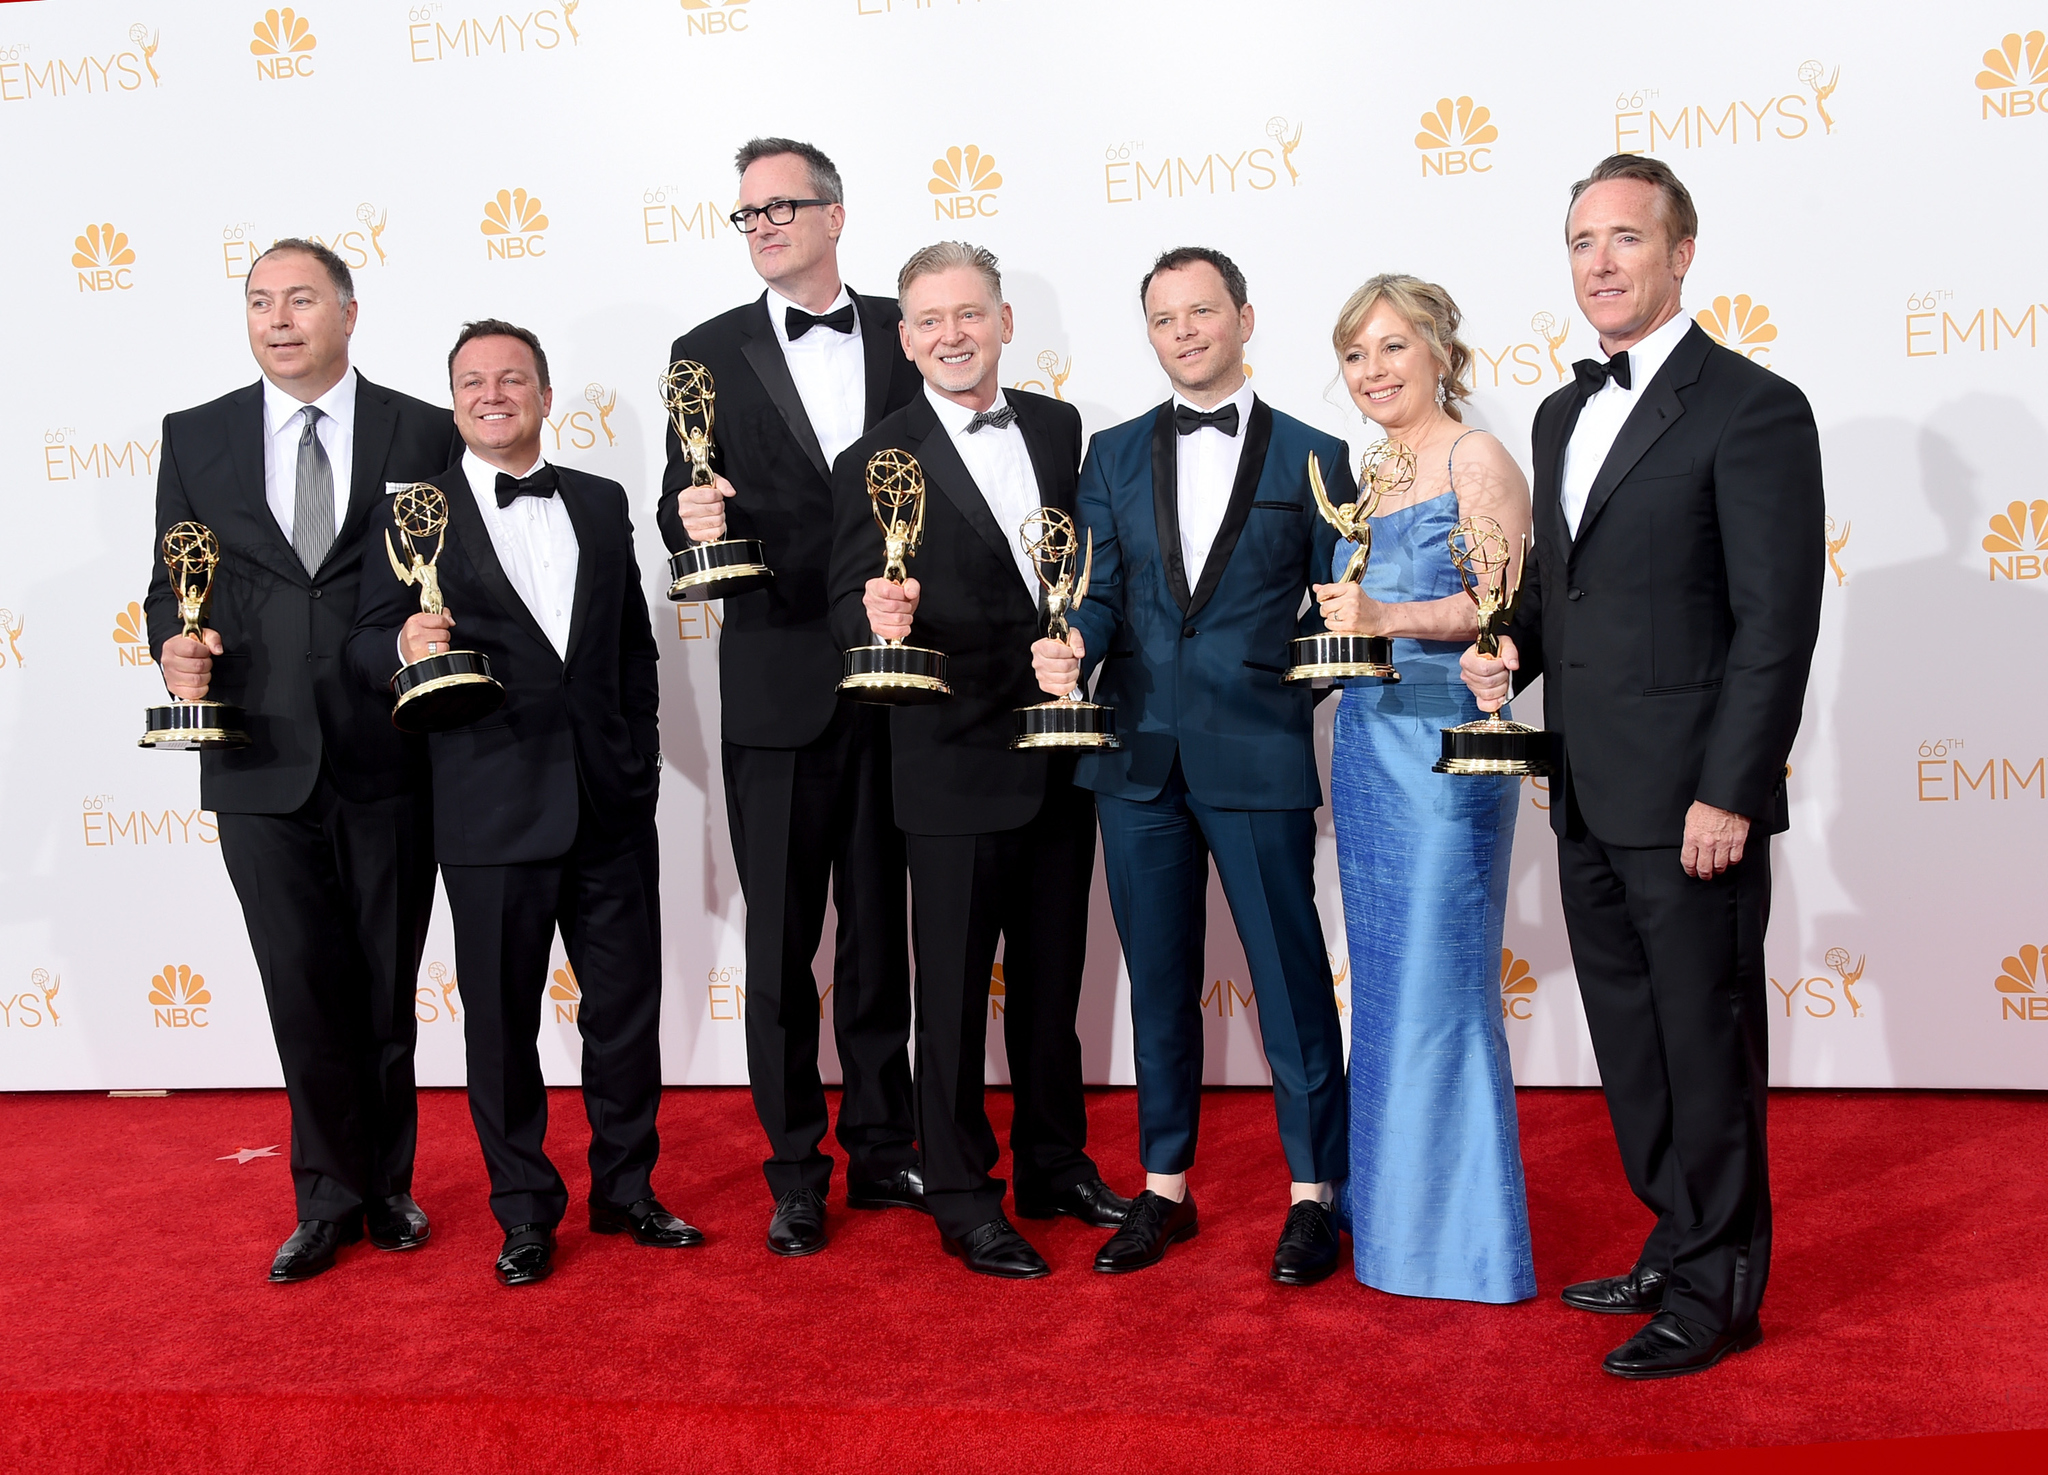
x=509, y=788
x=1675, y=631
x=777, y=663
x=282, y=628
x=955, y=772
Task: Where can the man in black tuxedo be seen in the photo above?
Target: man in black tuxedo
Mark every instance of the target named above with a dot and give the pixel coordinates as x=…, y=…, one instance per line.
x=543, y=810
x=800, y=372
x=323, y=821
x=1001, y=843
x=1671, y=608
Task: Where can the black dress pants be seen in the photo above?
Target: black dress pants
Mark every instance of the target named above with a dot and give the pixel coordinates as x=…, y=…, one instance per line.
x=1028, y=886
x=605, y=896
x=337, y=896
x=1672, y=973
x=803, y=818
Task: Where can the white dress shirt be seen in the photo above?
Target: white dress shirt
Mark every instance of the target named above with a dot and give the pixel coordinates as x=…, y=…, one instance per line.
x=831, y=373
x=1605, y=412
x=1205, y=469
x=1000, y=464
x=284, y=421
x=536, y=544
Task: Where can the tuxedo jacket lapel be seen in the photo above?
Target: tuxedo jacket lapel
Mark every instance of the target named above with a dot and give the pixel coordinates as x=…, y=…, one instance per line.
x=1656, y=411
x=245, y=442
x=1166, y=504
x=593, y=552
x=376, y=425
x=466, y=524
x=763, y=352
x=1251, y=465
x=942, y=464
x=1052, y=492
x=879, y=346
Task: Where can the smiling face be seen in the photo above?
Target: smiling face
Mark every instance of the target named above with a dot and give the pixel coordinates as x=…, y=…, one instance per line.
x=298, y=324
x=1198, y=332
x=1390, y=371
x=1626, y=270
x=789, y=257
x=499, y=403
x=954, y=330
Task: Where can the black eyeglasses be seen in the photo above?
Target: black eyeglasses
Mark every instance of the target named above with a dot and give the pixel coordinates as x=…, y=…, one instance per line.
x=779, y=212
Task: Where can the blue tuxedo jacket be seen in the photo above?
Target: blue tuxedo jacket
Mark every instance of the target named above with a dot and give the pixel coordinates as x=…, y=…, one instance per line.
x=1196, y=670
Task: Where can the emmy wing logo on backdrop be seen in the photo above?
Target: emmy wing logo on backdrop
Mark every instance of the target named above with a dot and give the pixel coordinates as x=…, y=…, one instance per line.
x=1131, y=175
x=26, y=78
x=2018, y=541
x=1056, y=371
x=434, y=1000
x=103, y=258
x=179, y=997
x=1455, y=138
x=2015, y=71
x=1837, y=540
x=512, y=226
x=1645, y=124
x=1527, y=363
x=964, y=182
x=1740, y=323
x=1518, y=985
x=360, y=244
x=35, y=1007
x=283, y=46
x=11, y=627
x=1822, y=997
x=2022, y=987
x=433, y=35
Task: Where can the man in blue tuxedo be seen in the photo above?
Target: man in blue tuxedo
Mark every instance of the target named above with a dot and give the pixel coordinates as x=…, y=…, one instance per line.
x=1206, y=542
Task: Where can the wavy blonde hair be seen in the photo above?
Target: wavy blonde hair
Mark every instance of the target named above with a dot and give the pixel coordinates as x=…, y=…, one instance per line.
x=1432, y=313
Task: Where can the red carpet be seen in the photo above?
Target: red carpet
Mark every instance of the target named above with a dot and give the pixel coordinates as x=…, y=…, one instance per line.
x=139, y=1333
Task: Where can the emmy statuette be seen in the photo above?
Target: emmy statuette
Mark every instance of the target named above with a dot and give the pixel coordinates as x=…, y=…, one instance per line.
x=889, y=671
x=1387, y=470
x=443, y=689
x=1072, y=721
x=1493, y=745
x=729, y=566
x=192, y=553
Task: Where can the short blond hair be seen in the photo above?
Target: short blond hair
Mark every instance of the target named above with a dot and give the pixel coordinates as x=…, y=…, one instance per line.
x=1433, y=315
x=946, y=256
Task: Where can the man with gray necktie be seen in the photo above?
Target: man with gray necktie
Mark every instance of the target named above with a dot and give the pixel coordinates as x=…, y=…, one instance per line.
x=323, y=818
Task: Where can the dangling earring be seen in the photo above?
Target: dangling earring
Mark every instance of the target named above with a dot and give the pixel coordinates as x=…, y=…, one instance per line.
x=1441, y=396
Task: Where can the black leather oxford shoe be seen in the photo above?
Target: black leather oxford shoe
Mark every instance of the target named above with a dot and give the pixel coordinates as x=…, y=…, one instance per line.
x=311, y=1248
x=996, y=1248
x=1639, y=1293
x=647, y=1221
x=900, y=1190
x=1093, y=1202
x=396, y=1223
x=1308, y=1245
x=1152, y=1224
x=798, y=1226
x=1670, y=1346
x=528, y=1257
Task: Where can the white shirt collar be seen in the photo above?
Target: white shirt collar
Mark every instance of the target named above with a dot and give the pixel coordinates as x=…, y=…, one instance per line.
x=779, y=305
x=483, y=476
x=954, y=416
x=1647, y=357
x=1242, y=399
x=339, y=403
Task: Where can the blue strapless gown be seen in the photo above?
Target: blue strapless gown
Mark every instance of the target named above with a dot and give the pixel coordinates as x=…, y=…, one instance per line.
x=1435, y=1200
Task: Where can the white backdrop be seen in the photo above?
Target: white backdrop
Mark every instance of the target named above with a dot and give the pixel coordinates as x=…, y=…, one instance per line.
x=1868, y=232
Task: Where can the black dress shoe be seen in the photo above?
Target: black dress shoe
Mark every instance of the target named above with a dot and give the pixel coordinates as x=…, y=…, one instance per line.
x=903, y=1189
x=528, y=1257
x=311, y=1248
x=1671, y=1346
x=1308, y=1245
x=1149, y=1227
x=1639, y=1293
x=647, y=1221
x=1093, y=1202
x=396, y=1223
x=996, y=1248
x=798, y=1227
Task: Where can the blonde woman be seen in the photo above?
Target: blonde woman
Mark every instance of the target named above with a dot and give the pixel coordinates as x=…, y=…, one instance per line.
x=1435, y=1197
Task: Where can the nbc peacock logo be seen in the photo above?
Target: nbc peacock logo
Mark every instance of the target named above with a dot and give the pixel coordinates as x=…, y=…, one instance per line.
x=1518, y=984
x=1455, y=138
x=714, y=17
x=283, y=46
x=179, y=997
x=1741, y=323
x=131, y=636
x=566, y=994
x=512, y=226
x=103, y=257
x=2024, y=991
x=964, y=183
x=2018, y=540
x=2014, y=81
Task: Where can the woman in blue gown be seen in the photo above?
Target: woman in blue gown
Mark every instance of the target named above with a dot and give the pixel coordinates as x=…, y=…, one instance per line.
x=1435, y=1200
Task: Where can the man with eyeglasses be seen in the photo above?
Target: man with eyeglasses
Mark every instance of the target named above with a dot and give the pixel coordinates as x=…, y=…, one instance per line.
x=801, y=373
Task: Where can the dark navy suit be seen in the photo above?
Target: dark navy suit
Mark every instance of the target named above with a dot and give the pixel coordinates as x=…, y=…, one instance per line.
x=1218, y=759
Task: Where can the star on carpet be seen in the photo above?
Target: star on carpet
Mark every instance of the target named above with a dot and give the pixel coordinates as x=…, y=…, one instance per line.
x=242, y=1155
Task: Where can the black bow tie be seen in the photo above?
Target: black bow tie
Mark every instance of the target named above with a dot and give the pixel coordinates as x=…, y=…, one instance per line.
x=1593, y=375
x=1000, y=417
x=1187, y=419
x=799, y=322
x=541, y=484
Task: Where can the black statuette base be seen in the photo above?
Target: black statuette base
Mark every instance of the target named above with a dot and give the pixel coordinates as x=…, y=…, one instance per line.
x=179, y=727
x=445, y=691
x=1497, y=746
x=1066, y=724
x=894, y=675
x=718, y=570
x=1328, y=657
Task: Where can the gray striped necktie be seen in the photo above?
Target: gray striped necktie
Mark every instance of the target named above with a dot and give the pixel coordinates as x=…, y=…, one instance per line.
x=313, y=500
